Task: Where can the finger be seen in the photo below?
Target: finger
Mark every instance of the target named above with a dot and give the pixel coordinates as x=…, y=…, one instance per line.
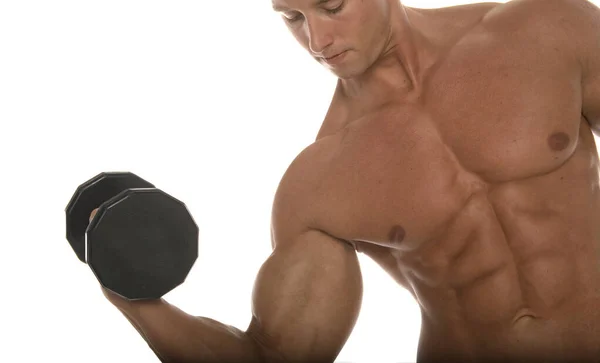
x=93, y=214
x=116, y=299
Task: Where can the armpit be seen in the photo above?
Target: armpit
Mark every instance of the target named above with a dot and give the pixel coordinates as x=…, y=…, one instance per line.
x=352, y=244
x=594, y=126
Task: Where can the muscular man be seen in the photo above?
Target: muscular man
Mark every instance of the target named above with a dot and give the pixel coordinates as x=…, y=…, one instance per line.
x=458, y=153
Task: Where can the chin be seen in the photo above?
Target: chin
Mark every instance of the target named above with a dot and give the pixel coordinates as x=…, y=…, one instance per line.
x=344, y=75
x=347, y=72
x=352, y=68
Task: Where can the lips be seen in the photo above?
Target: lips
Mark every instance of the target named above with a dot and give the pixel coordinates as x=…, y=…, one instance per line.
x=333, y=56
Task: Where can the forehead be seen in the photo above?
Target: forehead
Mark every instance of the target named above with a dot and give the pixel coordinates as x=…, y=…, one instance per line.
x=280, y=5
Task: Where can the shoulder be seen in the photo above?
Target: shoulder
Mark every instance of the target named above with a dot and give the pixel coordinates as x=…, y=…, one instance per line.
x=544, y=9
x=337, y=114
x=570, y=27
x=458, y=15
x=557, y=19
x=567, y=29
x=297, y=201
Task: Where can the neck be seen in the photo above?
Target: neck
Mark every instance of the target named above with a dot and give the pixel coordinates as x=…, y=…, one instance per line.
x=401, y=64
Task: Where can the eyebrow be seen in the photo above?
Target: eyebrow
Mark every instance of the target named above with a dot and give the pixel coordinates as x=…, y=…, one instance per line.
x=283, y=8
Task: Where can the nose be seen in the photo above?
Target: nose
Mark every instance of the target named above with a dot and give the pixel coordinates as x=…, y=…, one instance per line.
x=319, y=35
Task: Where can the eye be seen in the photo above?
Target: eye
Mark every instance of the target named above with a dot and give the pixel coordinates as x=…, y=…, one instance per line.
x=336, y=9
x=292, y=18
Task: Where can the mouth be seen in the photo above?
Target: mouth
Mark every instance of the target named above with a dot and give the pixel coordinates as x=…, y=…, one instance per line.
x=334, y=59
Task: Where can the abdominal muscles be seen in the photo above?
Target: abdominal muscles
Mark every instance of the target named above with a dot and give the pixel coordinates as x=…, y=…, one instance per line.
x=500, y=278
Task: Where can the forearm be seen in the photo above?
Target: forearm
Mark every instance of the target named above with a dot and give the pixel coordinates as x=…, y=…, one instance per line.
x=177, y=337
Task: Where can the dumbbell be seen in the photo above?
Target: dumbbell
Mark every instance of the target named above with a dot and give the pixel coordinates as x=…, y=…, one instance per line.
x=140, y=244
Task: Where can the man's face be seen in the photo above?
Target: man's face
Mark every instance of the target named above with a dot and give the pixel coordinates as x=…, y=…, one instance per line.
x=345, y=36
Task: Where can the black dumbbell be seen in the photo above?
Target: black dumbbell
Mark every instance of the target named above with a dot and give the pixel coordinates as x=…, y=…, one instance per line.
x=140, y=244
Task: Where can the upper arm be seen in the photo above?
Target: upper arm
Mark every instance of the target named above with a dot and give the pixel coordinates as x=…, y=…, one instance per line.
x=306, y=299
x=573, y=28
x=308, y=293
x=579, y=22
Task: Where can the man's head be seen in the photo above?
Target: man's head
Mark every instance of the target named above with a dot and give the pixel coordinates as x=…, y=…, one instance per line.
x=358, y=29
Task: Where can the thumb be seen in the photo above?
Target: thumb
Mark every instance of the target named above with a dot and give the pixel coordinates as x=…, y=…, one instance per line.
x=93, y=214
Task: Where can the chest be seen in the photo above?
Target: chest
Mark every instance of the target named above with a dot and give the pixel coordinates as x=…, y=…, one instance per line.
x=489, y=114
x=507, y=108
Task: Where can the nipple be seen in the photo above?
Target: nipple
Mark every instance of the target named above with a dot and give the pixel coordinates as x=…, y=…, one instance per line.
x=558, y=141
x=397, y=234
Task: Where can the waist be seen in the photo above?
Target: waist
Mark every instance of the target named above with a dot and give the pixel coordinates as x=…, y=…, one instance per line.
x=571, y=333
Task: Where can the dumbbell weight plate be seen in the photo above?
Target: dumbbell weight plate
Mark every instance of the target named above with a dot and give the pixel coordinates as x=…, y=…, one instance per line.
x=89, y=196
x=142, y=243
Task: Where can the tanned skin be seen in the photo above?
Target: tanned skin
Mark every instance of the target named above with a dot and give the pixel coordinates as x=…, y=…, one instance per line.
x=458, y=153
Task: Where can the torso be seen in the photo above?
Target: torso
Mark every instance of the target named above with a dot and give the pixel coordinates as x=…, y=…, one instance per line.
x=481, y=197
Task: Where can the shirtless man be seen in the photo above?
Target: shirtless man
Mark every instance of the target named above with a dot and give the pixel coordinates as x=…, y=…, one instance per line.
x=458, y=154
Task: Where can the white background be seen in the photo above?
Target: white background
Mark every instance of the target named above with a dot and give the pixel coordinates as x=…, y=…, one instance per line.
x=208, y=100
